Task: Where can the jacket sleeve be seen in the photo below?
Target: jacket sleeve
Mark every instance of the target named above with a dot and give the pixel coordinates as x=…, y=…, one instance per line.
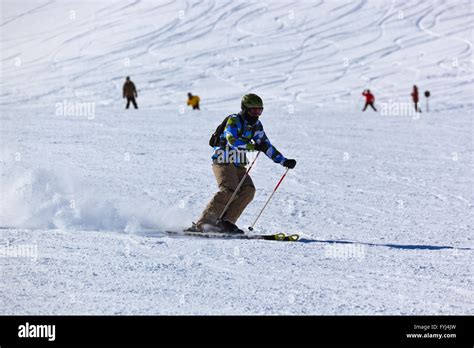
x=231, y=134
x=266, y=146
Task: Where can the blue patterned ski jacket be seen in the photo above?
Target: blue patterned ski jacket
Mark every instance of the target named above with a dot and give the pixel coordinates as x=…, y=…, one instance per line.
x=238, y=137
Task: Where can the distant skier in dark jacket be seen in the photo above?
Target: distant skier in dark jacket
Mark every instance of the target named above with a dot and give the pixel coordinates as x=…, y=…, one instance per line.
x=415, y=97
x=243, y=132
x=369, y=99
x=130, y=92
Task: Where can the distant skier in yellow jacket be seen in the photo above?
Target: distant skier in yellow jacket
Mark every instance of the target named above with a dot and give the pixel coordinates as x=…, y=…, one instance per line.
x=193, y=100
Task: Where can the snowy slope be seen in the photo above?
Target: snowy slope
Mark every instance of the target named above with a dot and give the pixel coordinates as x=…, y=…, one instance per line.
x=383, y=202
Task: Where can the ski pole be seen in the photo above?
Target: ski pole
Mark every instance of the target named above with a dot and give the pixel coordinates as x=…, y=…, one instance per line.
x=238, y=188
x=268, y=200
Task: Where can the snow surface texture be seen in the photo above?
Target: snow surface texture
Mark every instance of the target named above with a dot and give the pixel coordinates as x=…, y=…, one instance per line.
x=383, y=201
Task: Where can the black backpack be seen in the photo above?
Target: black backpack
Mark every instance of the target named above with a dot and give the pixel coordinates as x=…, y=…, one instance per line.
x=215, y=139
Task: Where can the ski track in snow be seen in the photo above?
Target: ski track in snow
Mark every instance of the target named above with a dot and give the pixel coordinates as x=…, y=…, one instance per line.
x=250, y=30
x=383, y=203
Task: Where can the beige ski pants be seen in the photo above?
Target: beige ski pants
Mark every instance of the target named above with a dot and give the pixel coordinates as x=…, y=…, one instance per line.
x=228, y=177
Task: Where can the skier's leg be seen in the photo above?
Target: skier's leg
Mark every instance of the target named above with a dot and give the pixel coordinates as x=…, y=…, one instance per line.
x=418, y=109
x=134, y=103
x=243, y=198
x=373, y=107
x=365, y=106
x=227, y=180
x=128, y=103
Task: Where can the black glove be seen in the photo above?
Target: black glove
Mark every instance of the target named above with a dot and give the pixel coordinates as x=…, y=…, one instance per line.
x=289, y=163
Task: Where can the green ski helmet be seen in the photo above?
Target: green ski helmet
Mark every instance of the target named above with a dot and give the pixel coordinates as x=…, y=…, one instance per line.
x=250, y=101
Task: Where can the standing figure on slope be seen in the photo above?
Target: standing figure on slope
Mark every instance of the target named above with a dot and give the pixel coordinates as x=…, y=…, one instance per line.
x=193, y=100
x=237, y=134
x=130, y=92
x=416, y=98
x=369, y=99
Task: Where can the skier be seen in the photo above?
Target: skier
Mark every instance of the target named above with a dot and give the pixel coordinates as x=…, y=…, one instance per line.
x=415, y=98
x=369, y=99
x=130, y=92
x=194, y=100
x=242, y=132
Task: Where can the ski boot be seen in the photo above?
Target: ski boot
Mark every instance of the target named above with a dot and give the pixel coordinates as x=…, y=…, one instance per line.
x=193, y=228
x=221, y=226
x=224, y=226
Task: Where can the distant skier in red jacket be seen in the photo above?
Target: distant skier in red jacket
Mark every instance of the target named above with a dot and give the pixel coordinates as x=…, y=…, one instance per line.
x=369, y=99
x=415, y=98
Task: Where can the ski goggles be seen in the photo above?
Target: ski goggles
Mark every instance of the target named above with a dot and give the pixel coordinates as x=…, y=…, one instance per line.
x=255, y=112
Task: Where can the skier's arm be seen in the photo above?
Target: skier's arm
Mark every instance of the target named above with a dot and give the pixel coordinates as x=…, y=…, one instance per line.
x=263, y=144
x=231, y=134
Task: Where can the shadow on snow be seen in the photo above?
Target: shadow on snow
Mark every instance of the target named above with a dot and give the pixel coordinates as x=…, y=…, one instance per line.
x=394, y=246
